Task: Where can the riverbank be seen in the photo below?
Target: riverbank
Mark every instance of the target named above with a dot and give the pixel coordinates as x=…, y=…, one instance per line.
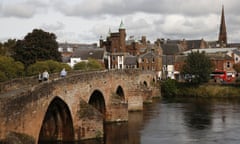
x=209, y=90
x=173, y=88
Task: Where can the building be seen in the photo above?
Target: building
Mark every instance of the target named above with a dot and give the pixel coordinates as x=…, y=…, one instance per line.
x=151, y=61
x=73, y=53
x=222, y=58
x=122, y=53
x=115, y=47
x=80, y=55
x=222, y=38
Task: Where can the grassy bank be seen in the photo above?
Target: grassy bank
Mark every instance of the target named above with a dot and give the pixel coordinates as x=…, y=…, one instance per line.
x=173, y=88
x=207, y=90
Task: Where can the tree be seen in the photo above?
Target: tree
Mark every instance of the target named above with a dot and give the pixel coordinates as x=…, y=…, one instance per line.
x=10, y=69
x=91, y=64
x=37, y=46
x=6, y=48
x=49, y=65
x=198, y=66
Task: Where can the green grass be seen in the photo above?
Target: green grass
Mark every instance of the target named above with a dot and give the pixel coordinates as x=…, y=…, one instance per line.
x=210, y=91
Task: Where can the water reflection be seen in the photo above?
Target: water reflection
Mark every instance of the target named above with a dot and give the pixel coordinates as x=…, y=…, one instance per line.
x=185, y=121
x=198, y=113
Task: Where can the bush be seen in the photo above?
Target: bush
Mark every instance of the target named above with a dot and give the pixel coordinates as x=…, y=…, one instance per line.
x=91, y=64
x=10, y=69
x=3, y=77
x=169, y=88
x=49, y=65
x=80, y=66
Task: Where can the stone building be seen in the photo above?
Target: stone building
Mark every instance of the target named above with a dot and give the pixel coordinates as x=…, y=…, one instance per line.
x=115, y=47
x=122, y=53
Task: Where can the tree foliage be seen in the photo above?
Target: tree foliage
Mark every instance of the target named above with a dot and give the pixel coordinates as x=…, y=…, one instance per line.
x=6, y=48
x=49, y=65
x=169, y=88
x=198, y=66
x=37, y=46
x=10, y=69
x=91, y=64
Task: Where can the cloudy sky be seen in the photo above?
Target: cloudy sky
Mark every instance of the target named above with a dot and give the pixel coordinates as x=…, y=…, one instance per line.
x=84, y=21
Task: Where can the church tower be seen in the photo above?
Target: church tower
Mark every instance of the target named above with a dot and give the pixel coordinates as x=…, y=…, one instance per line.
x=122, y=33
x=222, y=38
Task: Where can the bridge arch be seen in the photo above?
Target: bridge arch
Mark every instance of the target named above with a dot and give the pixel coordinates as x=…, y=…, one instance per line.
x=57, y=123
x=120, y=93
x=97, y=100
x=145, y=83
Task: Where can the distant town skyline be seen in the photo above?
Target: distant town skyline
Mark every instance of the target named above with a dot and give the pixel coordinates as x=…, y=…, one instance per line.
x=84, y=21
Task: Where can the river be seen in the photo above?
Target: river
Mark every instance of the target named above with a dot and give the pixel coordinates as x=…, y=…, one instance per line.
x=183, y=121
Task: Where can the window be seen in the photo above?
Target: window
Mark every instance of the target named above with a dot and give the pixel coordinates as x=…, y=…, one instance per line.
x=228, y=64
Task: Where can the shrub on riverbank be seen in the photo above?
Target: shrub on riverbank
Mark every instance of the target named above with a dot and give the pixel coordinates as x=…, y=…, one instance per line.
x=169, y=88
x=205, y=90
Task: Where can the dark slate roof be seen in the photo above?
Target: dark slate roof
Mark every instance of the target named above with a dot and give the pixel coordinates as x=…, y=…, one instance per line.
x=168, y=60
x=222, y=56
x=84, y=54
x=193, y=44
x=233, y=45
x=236, y=51
x=171, y=49
x=148, y=55
x=130, y=60
x=76, y=46
x=173, y=41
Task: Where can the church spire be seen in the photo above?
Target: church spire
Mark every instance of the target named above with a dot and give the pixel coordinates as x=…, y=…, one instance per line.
x=121, y=25
x=222, y=39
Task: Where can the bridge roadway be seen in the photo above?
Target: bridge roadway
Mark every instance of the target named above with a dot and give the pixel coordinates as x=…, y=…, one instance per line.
x=71, y=108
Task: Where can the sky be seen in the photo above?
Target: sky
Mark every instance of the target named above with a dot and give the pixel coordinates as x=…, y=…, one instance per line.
x=84, y=21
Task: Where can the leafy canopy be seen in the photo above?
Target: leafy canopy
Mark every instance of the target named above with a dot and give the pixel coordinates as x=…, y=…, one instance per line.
x=37, y=46
x=91, y=64
x=10, y=69
x=49, y=65
x=198, y=66
x=6, y=48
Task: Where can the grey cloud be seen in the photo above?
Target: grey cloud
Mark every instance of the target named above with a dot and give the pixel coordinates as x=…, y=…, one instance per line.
x=122, y=7
x=26, y=9
x=53, y=27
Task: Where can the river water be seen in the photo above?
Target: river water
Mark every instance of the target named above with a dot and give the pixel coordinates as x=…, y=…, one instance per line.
x=183, y=121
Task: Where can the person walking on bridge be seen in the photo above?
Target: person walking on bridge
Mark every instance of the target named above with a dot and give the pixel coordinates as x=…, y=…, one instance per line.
x=40, y=78
x=45, y=75
x=63, y=73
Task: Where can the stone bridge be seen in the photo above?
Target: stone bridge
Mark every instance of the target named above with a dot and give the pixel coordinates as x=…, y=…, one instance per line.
x=72, y=108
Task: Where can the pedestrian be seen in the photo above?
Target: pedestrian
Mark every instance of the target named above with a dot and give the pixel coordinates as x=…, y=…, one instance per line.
x=40, y=77
x=45, y=75
x=63, y=73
